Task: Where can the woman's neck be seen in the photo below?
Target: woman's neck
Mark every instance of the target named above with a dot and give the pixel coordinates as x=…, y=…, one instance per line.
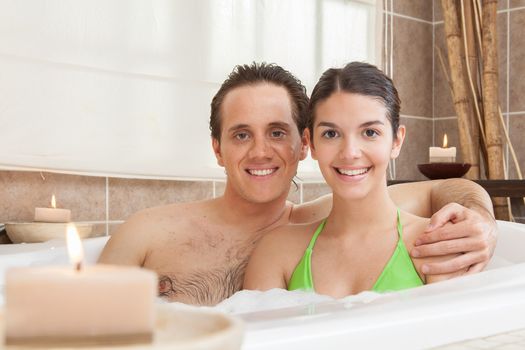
x=374, y=212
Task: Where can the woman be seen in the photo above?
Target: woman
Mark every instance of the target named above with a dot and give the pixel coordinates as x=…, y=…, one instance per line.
x=353, y=132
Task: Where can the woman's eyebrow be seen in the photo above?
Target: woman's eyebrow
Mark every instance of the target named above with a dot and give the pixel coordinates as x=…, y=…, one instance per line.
x=373, y=122
x=327, y=124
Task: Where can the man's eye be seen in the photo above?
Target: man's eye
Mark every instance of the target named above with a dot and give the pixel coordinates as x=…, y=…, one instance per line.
x=277, y=134
x=241, y=136
x=329, y=134
x=371, y=133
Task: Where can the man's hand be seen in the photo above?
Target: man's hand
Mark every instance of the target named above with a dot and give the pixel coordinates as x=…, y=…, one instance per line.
x=455, y=229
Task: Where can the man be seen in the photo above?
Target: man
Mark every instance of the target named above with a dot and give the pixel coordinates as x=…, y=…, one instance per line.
x=200, y=249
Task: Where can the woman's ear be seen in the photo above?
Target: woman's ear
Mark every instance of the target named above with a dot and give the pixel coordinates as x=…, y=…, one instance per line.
x=398, y=142
x=217, y=150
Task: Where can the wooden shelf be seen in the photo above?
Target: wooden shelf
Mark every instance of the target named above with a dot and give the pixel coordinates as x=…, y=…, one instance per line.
x=495, y=188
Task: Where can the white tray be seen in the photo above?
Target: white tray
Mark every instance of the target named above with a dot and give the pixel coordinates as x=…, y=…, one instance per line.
x=177, y=328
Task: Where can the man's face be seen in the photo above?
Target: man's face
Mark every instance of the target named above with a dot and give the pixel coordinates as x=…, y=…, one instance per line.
x=260, y=146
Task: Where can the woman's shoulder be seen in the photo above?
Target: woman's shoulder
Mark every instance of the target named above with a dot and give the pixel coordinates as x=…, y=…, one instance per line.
x=290, y=235
x=413, y=226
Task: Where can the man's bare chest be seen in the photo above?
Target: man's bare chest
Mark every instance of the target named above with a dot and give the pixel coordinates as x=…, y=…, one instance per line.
x=200, y=270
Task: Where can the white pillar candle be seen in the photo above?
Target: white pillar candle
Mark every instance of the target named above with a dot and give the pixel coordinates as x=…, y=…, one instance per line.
x=75, y=306
x=96, y=305
x=52, y=214
x=442, y=154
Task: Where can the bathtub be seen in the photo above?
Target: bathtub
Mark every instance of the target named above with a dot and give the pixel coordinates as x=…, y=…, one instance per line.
x=464, y=308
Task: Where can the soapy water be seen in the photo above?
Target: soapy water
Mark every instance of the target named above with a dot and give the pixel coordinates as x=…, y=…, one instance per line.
x=248, y=301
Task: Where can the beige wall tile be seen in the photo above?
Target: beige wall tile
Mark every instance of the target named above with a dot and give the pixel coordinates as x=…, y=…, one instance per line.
x=413, y=66
x=443, y=103
x=127, y=196
x=421, y=9
x=516, y=3
x=315, y=190
x=517, y=63
x=415, y=149
x=438, y=11
x=517, y=133
x=22, y=191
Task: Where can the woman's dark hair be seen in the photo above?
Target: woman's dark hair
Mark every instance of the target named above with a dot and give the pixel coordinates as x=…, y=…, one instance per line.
x=255, y=73
x=357, y=78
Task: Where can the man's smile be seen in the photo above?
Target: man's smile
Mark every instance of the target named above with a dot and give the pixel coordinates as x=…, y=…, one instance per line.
x=261, y=172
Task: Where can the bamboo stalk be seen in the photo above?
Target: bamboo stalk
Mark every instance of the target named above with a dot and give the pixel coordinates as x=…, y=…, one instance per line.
x=459, y=86
x=469, y=46
x=491, y=103
x=443, y=66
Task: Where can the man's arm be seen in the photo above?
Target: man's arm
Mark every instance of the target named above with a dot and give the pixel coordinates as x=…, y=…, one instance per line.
x=461, y=202
x=126, y=245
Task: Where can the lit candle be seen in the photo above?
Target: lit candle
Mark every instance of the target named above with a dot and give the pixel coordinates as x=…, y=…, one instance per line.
x=90, y=305
x=443, y=154
x=52, y=214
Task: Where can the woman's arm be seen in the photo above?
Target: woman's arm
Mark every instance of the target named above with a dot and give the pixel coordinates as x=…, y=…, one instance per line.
x=265, y=269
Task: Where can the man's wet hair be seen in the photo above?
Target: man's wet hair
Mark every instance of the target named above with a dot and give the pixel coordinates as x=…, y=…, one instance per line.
x=257, y=73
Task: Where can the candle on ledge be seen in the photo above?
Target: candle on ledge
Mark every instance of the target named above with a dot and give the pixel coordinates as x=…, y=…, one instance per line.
x=52, y=214
x=442, y=154
x=79, y=305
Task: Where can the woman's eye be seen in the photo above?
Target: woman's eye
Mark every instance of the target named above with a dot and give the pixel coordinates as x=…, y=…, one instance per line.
x=371, y=133
x=329, y=134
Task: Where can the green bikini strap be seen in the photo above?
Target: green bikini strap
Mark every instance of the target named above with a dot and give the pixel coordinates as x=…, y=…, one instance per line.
x=316, y=234
x=399, y=225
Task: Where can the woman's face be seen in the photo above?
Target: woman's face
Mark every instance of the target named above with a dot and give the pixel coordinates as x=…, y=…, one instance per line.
x=353, y=143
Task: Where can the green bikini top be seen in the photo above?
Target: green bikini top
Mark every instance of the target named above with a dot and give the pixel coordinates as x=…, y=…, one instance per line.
x=399, y=273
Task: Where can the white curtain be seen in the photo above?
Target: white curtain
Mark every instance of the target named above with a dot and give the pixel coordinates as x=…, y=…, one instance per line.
x=123, y=87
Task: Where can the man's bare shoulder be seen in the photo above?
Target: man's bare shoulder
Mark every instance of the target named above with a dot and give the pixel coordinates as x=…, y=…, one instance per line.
x=311, y=211
x=132, y=240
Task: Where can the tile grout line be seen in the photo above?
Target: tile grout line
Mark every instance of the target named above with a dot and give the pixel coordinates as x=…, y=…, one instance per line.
x=415, y=117
x=409, y=17
x=107, y=206
x=508, y=10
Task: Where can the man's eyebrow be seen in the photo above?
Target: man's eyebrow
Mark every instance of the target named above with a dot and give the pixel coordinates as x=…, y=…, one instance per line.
x=238, y=127
x=283, y=125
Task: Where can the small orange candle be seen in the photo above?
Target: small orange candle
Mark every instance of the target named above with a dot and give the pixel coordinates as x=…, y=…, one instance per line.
x=52, y=214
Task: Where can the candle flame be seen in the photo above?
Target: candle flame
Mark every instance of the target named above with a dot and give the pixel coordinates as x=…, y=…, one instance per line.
x=74, y=247
x=445, y=141
x=53, y=202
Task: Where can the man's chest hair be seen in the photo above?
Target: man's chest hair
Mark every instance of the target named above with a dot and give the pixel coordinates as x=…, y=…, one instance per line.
x=203, y=286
